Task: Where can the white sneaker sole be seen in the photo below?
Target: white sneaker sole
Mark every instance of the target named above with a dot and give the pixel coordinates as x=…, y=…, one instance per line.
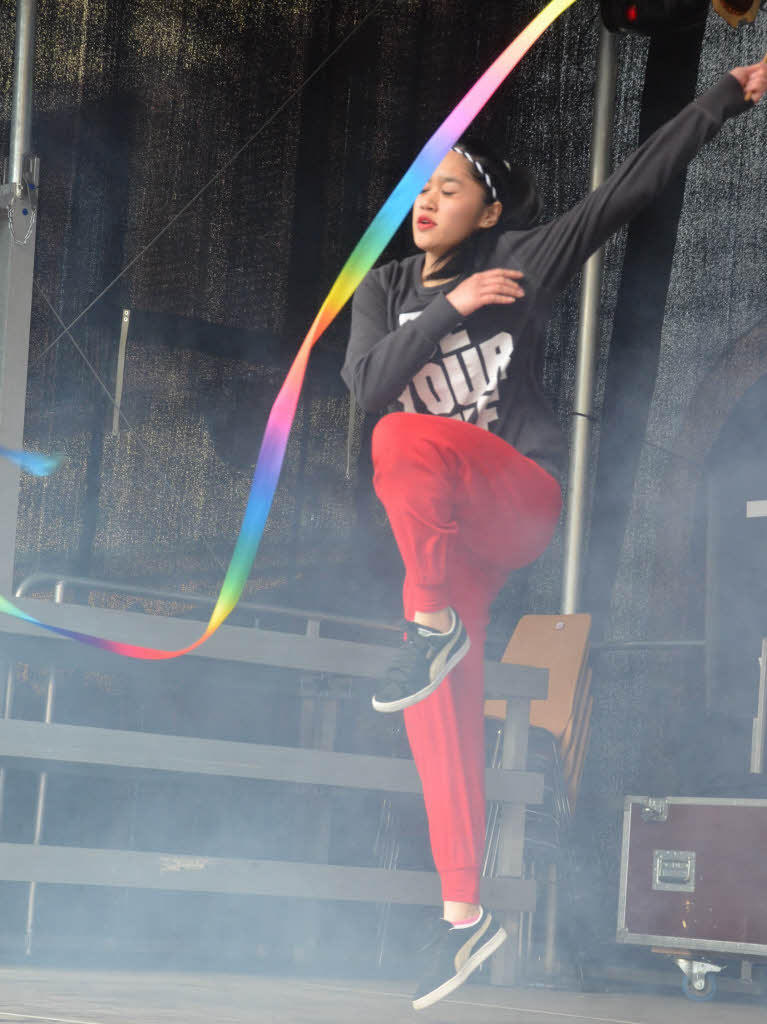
x=414, y=698
x=468, y=968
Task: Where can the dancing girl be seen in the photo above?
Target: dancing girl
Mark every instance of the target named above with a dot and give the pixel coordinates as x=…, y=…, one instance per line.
x=468, y=459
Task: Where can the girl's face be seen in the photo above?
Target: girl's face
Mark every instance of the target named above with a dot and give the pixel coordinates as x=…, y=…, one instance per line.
x=451, y=207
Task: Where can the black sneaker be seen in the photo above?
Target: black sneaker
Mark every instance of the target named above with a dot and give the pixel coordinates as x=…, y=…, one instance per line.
x=454, y=954
x=420, y=666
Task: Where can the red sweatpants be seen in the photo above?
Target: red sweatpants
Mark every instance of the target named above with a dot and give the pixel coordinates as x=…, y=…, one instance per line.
x=466, y=509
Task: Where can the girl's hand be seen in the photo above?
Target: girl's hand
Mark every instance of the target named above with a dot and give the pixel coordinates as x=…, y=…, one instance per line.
x=488, y=288
x=753, y=80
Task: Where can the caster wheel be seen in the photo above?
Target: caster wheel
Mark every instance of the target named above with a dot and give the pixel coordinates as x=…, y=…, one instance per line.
x=700, y=995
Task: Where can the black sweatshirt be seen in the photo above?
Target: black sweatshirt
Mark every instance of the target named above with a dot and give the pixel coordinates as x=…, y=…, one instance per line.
x=411, y=350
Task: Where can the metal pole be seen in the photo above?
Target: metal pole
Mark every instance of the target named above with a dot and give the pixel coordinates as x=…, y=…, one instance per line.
x=120, y=371
x=18, y=205
x=21, y=108
x=759, y=724
x=10, y=679
x=42, y=795
x=552, y=917
x=588, y=337
x=42, y=792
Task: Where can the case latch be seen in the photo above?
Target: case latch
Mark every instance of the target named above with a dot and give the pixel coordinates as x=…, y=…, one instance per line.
x=655, y=809
x=673, y=870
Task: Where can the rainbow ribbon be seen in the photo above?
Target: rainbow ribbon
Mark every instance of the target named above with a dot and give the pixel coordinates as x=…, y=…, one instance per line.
x=364, y=255
x=32, y=462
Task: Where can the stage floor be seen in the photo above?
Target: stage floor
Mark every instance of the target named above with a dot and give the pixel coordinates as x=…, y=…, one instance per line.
x=111, y=997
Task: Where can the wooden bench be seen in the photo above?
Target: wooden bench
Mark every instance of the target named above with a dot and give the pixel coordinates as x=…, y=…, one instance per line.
x=51, y=746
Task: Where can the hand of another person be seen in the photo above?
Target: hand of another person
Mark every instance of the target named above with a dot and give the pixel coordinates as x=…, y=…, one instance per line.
x=488, y=288
x=753, y=80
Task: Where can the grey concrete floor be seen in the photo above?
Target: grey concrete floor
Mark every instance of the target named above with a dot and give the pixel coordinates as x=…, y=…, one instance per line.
x=30, y=996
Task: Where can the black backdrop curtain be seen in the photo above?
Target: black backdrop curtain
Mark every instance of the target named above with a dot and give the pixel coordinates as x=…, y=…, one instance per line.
x=137, y=108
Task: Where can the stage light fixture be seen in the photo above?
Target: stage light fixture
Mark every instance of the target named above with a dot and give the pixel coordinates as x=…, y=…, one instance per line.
x=650, y=16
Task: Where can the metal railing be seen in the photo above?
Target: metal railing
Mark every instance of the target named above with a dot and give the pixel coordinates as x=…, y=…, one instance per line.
x=64, y=586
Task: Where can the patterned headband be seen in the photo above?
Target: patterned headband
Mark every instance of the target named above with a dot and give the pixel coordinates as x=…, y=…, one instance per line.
x=480, y=168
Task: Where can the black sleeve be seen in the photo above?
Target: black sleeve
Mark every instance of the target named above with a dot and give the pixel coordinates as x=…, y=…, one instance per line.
x=560, y=248
x=380, y=363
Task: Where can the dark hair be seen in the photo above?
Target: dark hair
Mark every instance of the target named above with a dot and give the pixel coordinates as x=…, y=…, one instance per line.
x=518, y=195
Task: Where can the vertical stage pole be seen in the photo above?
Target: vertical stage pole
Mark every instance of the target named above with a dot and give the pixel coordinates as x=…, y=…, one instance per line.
x=577, y=504
x=23, y=72
x=18, y=203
